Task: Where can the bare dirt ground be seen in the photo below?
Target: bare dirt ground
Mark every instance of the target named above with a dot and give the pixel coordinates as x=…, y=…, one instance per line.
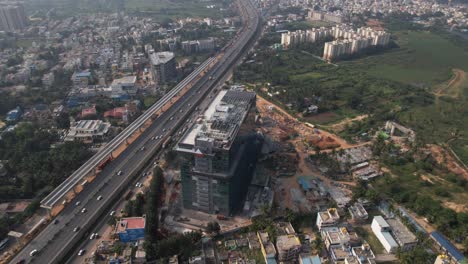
x=304, y=131
x=453, y=86
x=456, y=207
x=283, y=122
x=321, y=118
x=421, y=221
x=337, y=127
x=444, y=157
x=375, y=24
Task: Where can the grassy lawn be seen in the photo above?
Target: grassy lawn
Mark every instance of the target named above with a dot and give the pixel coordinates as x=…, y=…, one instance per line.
x=160, y=9
x=460, y=147
x=304, y=76
x=423, y=58
x=366, y=234
x=27, y=43
x=163, y=9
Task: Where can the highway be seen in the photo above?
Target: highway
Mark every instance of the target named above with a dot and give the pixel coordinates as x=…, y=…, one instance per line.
x=57, y=195
x=56, y=240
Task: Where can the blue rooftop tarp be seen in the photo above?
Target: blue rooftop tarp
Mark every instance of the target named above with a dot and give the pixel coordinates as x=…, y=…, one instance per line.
x=311, y=260
x=304, y=183
x=451, y=249
x=271, y=261
x=83, y=74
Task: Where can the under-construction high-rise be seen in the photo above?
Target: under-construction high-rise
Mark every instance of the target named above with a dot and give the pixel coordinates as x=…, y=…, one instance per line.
x=220, y=152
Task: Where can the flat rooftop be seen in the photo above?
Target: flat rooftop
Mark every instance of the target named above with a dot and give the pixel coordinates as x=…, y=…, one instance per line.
x=131, y=223
x=161, y=57
x=381, y=221
x=401, y=232
x=330, y=215
x=339, y=253
x=221, y=120
x=125, y=80
x=286, y=242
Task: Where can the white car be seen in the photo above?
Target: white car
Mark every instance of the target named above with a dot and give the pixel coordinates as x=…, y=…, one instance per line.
x=83, y=210
x=112, y=213
x=81, y=252
x=119, y=173
x=33, y=253
x=77, y=203
x=99, y=198
x=76, y=229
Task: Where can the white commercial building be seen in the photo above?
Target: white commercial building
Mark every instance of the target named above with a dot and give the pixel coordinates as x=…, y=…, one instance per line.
x=382, y=231
x=87, y=130
x=124, y=85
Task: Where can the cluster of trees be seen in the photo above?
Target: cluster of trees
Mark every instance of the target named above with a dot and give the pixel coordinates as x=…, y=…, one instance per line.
x=153, y=206
x=36, y=165
x=295, y=76
x=135, y=207
x=182, y=245
x=7, y=223
x=156, y=246
x=213, y=227
x=329, y=161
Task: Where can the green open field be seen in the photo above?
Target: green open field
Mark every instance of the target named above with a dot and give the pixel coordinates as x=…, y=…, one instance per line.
x=426, y=59
x=414, y=84
x=162, y=9
x=159, y=9
x=423, y=58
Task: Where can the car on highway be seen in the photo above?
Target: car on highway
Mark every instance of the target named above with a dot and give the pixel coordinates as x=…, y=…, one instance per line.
x=142, y=148
x=112, y=213
x=33, y=253
x=99, y=198
x=81, y=252
x=83, y=210
x=77, y=203
x=76, y=229
x=93, y=236
x=153, y=138
x=55, y=221
x=119, y=173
